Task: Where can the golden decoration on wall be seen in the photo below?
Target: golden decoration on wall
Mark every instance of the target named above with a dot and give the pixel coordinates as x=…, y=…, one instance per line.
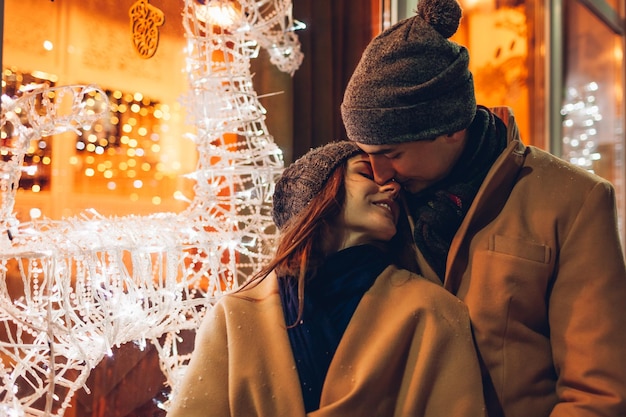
x=145, y=20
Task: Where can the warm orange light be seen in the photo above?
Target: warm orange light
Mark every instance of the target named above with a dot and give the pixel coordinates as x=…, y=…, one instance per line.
x=475, y=5
x=217, y=13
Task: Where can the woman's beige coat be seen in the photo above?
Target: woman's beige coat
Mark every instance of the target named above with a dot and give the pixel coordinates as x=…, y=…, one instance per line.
x=539, y=263
x=407, y=352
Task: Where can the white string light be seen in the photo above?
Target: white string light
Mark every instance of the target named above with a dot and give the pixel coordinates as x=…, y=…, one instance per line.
x=71, y=290
x=580, y=114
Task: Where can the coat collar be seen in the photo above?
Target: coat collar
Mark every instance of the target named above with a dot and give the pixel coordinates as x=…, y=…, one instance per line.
x=490, y=198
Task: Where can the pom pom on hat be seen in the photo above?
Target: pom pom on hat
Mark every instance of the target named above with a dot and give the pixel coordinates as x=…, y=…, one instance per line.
x=443, y=16
x=304, y=179
x=411, y=83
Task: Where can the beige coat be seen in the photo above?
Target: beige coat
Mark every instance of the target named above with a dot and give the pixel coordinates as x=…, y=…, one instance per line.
x=407, y=352
x=539, y=263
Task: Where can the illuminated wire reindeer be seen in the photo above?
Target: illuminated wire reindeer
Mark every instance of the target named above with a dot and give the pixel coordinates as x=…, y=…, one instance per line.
x=238, y=159
x=73, y=289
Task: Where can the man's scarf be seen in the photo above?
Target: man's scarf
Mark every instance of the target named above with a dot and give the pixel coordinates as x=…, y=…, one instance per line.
x=439, y=210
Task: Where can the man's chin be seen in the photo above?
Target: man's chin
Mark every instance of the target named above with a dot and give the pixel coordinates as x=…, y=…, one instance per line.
x=411, y=187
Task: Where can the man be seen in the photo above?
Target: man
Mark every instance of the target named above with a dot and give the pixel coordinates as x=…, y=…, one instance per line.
x=529, y=242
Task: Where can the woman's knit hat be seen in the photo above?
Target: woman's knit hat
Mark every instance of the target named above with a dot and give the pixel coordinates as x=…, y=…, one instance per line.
x=304, y=179
x=412, y=83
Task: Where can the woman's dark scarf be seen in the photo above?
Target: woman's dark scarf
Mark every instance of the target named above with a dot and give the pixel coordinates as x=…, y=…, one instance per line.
x=330, y=299
x=439, y=210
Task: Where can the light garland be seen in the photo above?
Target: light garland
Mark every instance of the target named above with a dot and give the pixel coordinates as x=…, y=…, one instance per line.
x=580, y=114
x=72, y=289
x=120, y=153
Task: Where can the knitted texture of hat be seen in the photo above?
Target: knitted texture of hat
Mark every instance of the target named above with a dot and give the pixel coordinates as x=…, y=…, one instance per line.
x=305, y=178
x=411, y=83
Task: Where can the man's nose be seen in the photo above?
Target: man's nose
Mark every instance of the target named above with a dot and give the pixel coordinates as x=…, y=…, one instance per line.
x=383, y=171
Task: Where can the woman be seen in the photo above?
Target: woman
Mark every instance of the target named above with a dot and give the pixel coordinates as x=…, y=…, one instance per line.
x=325, y=329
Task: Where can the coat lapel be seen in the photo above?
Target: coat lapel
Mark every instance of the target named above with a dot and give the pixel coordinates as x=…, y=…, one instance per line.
x=488, y=202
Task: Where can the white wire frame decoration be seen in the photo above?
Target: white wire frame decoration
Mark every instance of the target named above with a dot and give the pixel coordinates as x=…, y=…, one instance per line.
x=73, y=289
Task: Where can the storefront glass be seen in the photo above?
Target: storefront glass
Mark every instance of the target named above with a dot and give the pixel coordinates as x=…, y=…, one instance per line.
x=593, y=103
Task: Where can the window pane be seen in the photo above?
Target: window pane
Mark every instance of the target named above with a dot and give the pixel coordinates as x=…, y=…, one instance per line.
x=593, y=123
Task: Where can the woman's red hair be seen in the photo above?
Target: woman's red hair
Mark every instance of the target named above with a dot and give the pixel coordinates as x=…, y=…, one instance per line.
x=305, y=240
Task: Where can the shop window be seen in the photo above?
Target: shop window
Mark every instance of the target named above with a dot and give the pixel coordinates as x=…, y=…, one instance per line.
x=36, y=171
x=592, y=131
x=127, y=156
x=121, y=154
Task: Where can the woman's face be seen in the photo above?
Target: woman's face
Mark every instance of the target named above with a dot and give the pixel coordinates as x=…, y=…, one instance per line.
x=370, y=211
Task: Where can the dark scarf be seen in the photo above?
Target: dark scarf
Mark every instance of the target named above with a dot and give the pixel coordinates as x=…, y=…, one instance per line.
x=330, y=300
x=439, y=210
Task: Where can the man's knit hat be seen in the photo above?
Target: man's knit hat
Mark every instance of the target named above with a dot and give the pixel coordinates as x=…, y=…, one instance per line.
x=412, y=83
x=304, y=179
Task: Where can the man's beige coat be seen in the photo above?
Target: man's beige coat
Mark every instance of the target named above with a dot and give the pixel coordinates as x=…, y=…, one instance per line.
x=539, y=263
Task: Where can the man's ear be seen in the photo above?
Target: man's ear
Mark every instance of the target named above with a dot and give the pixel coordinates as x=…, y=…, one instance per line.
x=456, y=136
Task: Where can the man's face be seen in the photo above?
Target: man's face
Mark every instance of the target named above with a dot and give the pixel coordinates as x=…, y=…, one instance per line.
x=415, y=165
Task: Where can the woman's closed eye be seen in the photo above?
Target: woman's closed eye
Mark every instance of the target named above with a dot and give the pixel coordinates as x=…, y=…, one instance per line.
x=363, y=168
